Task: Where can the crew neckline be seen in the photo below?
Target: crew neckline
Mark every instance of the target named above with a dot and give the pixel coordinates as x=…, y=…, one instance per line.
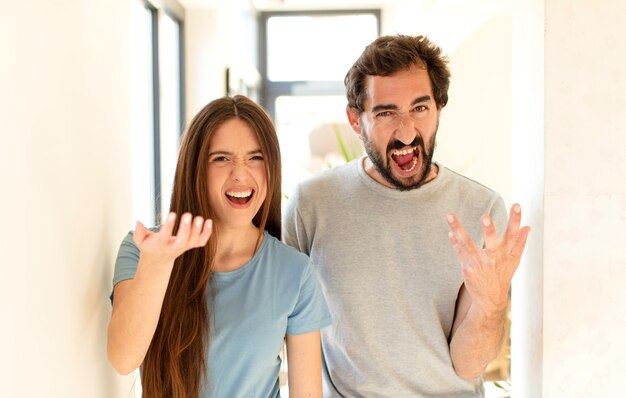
x=230, y=275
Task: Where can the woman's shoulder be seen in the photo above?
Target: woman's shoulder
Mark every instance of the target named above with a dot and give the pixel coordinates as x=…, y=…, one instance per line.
x=285, y=255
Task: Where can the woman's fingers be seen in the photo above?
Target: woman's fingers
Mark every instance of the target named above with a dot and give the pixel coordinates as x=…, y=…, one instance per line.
x=206, y=231
x=192, y=232
x=140, y=233
x=200, y=233
x=183, y=233
x=168, y=226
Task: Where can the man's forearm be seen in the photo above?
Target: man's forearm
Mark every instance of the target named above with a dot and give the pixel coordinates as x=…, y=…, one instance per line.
x=476, y=342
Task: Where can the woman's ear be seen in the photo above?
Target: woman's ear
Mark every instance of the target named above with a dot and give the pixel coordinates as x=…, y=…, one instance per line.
x=354, y=119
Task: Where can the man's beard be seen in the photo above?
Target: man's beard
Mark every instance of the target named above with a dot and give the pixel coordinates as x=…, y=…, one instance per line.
x=384, y=168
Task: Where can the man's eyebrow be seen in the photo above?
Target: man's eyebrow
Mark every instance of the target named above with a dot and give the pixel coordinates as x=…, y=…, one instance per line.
x=423, y=98
x=384, y=107
x=218, y=152
x=392, y=107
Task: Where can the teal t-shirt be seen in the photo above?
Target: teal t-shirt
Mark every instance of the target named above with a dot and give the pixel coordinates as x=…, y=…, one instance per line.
x=274, y=294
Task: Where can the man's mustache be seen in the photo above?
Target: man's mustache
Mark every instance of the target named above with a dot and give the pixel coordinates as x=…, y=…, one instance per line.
x=396, y=144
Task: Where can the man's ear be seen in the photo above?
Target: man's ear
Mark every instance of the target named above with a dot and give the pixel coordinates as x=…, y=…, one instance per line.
x=354, y=119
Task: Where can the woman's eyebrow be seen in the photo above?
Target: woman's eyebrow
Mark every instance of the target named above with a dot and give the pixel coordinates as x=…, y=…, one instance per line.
x=222, y=152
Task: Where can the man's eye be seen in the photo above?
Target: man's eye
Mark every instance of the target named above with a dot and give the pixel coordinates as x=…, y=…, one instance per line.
x=383, y=114
x=420, y=108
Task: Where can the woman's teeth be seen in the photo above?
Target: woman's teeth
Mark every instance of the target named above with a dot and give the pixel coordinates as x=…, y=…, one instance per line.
x=240, y=195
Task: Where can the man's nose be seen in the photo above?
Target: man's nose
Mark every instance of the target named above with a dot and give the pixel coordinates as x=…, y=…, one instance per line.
x=406, y=131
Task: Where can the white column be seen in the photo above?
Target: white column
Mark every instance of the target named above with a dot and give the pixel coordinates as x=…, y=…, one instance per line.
x=528, y=190
x=569, y=300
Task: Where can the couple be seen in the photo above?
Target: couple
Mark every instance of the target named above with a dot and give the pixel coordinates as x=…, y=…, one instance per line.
x=409, y=302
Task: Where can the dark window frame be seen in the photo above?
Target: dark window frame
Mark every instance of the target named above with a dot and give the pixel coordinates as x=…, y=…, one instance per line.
x=178, y=18
x=270, y=90
x=181, y=64
x=156, y=112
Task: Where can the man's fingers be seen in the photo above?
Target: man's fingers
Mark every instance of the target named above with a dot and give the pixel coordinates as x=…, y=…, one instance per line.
x=460, y=249
x=520, y=244
x=461, y=237
x=512, y=228
x=489, y=233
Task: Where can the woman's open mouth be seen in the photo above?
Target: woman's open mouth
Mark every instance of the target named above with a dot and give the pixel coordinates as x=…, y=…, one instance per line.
x=239, y=197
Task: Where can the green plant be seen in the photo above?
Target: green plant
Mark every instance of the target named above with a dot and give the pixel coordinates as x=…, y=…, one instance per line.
x=347, y=153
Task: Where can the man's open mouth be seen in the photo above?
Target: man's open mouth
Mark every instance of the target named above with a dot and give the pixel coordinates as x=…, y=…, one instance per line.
x=406, y=159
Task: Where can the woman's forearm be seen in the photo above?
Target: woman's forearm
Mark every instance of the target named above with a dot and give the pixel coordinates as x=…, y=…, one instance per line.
x=136, y=311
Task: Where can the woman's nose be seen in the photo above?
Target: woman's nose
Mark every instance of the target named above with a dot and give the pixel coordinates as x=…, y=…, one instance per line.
x=239, y=171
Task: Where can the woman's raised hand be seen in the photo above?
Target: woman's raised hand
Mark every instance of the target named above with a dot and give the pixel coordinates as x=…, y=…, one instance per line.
x=163, y=247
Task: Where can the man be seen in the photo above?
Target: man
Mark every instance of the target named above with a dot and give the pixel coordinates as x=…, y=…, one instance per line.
x=418, y=302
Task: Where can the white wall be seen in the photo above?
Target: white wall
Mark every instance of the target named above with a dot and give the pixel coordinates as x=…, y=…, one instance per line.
x=576, y=348
x=528, y=189
x=475, y=127
x=218, y=36
x=585, y=199
x=65, y=175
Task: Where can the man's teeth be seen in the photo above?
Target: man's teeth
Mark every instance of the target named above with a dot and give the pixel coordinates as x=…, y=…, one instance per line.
x=403, y=152
x=243, y=194
x=413, y=164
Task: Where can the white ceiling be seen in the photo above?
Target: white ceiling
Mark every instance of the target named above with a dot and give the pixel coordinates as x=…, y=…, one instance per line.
x=277, y=4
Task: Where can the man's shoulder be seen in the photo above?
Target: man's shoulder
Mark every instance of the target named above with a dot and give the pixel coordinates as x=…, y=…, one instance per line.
x=285, y=253
x=467, y=185
x=328, y=180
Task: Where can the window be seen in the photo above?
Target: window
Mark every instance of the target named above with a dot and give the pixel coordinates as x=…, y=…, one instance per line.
x=157, y=108
x=157, y=105
x=144, y=111
x=171, y=102
x=304, y=57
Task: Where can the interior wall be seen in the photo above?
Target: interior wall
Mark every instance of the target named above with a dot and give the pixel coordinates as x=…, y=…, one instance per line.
x=217, y=36
x=204, y=70
x=66, y=198
x=585, y=199
x=474, y=135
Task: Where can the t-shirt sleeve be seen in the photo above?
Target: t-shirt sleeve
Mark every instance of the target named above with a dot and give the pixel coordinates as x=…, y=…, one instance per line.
x=310, y=312
x=126, y=261
x=294, y=233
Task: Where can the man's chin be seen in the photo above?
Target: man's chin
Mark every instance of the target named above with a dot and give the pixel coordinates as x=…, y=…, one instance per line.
x=407, y=183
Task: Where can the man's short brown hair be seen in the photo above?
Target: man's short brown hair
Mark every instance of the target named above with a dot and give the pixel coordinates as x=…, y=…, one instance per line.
x=390, y=54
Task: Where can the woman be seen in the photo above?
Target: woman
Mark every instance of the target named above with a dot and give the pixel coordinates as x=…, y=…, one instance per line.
x=205, y=311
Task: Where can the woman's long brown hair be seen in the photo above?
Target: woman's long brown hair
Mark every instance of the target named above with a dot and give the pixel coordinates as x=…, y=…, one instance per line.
x=176, y=362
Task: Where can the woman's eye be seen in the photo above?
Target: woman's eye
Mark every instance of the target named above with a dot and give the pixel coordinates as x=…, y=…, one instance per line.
x=220, y=159
x=257, y=157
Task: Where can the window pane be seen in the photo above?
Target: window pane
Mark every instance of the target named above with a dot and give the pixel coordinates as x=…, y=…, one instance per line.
x=142, y=114
x=316, y=47
x=307, y=128
x=170, y=105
